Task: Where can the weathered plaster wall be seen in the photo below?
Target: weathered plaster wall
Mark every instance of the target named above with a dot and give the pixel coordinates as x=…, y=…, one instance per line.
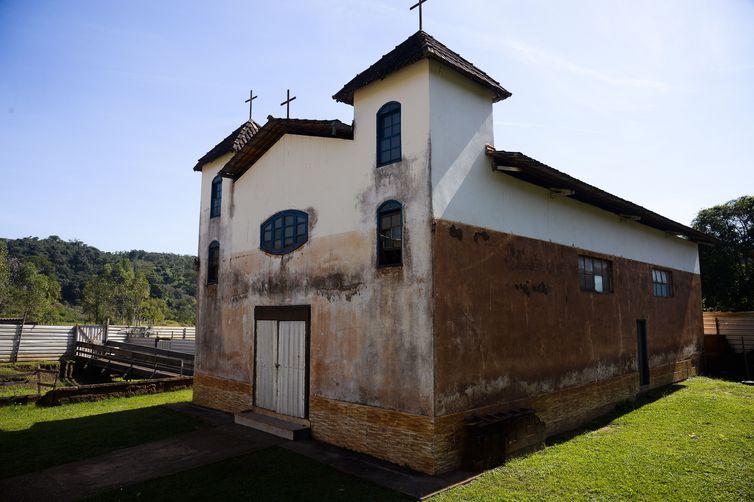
x=466, y=189
x=511, y=322
x=371, y=337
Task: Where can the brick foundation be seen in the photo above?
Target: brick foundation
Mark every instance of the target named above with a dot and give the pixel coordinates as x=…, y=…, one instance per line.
x=400, y=438
x=221, y=394
x=436, y=444
x=560, y=411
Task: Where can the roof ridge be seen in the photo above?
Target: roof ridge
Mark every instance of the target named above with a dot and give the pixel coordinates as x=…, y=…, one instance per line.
x=418, y=46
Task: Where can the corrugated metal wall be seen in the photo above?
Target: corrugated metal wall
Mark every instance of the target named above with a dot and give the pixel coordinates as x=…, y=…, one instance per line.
x=45, y=342
x=40, y=342
x=178, y=345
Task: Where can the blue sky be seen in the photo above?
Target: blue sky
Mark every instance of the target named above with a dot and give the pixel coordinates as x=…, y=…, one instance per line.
x=105, y=106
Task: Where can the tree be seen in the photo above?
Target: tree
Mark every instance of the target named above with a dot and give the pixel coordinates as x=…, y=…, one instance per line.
x=728, y=267
x=132, y=290
x=153, y=311
x=34, y=294
x=98, y=301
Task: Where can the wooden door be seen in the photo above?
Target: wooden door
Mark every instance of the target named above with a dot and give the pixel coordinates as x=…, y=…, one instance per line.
x=266, y=382
x=281, y=366
x=291, y=368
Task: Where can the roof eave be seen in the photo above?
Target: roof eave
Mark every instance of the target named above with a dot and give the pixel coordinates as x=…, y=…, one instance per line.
x=520, y=166
x=272, y=132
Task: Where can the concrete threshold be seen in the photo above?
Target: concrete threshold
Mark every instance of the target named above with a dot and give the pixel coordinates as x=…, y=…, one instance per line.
x=271, y=425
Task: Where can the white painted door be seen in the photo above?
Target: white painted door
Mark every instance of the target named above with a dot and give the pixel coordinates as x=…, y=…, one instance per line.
x=281, y=367
x=267, y=345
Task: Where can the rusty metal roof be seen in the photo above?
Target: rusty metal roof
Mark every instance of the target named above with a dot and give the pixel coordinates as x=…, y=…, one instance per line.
x=272, y=131
x=233, y=143
x=419, y=46
x=525, y=168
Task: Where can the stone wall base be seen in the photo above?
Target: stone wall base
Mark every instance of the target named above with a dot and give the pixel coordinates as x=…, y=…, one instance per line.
x=221, y=394
x=437, y=444
x=400, y=438
x=561, y=411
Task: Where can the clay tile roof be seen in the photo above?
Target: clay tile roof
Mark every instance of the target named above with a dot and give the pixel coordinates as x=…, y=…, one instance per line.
x=233, y=143
x=272, y=131
x=419, y=46
x=525, y=168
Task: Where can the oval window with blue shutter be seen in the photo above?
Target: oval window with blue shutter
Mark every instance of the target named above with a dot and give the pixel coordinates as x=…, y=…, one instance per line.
x=284, y=232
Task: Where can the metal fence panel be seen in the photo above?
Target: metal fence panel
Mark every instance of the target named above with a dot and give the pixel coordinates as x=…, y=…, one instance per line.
x=7, y=337
x=185, y=346
x=41, y=341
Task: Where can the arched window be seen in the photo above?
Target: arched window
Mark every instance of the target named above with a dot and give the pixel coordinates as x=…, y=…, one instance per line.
x=285, y=231
x=213, y=262
x=389, y=233
x=389, y=134
x=216, y=197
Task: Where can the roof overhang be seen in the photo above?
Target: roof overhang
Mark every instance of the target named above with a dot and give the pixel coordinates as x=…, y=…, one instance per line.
x=272, y=132
x=232, y=143
x=560, y=184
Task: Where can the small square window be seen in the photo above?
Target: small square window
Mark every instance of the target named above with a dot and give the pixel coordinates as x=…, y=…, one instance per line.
x=595, y=275
x=662, y=283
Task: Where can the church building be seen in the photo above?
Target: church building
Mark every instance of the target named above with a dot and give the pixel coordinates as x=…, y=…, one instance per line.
x=390, y=284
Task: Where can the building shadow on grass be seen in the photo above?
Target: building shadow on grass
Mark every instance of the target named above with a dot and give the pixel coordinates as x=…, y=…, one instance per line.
x=50, y=441
x=618, y=411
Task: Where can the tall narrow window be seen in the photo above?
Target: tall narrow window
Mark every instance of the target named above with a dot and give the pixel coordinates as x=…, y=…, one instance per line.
x=216, y=197
x=662, y=282
x=389, y=134
x=389, y=233
x=213, y=262
x=595, y=275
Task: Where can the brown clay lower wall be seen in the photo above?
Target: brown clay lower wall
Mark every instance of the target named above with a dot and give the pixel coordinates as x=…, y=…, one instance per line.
x=511, y=322
x=560, y=411
x=436, y=445
x=226, y=395
x=400, y=438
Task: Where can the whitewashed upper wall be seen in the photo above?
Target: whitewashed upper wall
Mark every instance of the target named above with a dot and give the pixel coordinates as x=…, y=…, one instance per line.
x=338, y=177
x=466, y=189
x=211, y=229
x=358, y=352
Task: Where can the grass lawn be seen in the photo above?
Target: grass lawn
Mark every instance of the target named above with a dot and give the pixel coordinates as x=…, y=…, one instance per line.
x=696, y=443
x=34, y=438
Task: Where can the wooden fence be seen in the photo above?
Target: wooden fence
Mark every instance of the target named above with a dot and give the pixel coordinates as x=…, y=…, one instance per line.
x=39, y=342
x=736, y=327
x=729, y=343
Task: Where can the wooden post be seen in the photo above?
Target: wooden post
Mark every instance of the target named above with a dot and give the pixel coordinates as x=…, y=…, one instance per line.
x=717, y=326
x=17, y=341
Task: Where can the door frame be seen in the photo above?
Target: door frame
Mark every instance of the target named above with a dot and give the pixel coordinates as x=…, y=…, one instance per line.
x=285, y=313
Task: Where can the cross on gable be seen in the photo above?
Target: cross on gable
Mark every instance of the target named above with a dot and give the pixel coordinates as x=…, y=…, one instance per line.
x=419, y=4
x=251, y=102
x=287, y=104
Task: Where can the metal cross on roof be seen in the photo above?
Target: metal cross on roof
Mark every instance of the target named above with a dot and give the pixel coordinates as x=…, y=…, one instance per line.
x=419, y=4
x=251, y=103
x=287, y=104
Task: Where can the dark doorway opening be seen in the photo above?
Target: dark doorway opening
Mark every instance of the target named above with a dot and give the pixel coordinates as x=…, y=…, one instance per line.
x=642, y=353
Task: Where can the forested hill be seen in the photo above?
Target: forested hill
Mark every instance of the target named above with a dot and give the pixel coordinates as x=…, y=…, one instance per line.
x=171, y=277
